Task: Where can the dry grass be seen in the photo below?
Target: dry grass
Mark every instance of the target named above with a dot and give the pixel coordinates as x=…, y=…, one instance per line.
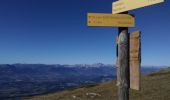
x=155, y=86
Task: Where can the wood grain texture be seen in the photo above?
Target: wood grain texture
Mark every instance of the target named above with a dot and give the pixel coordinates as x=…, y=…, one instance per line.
x=135, y=60
x=123, y=65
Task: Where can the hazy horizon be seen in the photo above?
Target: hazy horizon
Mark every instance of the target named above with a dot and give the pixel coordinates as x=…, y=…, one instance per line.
x=52, y=31
x=83, y=64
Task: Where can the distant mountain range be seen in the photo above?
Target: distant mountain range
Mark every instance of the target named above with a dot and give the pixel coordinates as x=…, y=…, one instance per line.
x=154, y=86
x=18, y=80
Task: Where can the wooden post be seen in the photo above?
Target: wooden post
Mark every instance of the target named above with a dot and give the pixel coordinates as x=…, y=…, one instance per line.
x=123, y=63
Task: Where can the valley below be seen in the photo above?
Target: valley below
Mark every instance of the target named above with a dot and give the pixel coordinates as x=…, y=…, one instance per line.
x=26, y=80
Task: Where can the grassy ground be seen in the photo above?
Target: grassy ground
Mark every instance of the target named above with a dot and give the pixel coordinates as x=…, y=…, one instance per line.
x=155, y=86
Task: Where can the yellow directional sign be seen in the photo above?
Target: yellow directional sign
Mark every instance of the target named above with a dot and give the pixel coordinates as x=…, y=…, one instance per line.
x=112, y=20
x=125, y=5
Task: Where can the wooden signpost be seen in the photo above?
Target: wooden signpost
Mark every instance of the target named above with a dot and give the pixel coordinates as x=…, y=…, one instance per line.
x=123, y=63
x=126, y=5
x=112, y=20
x=128, y=45
x=135, y=60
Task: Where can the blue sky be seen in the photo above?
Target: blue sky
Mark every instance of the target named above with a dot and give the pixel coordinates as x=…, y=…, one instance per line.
x=56, y=32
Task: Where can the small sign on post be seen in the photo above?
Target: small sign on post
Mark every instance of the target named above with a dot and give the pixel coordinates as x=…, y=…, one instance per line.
x=112, y=20
x=135, y=60
x=126, y=5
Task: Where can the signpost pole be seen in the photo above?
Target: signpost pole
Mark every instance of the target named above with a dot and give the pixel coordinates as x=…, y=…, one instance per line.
x=123, y=63
x=125, y=43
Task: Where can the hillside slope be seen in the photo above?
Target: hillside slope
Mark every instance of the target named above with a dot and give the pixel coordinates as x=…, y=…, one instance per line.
x=155, y=86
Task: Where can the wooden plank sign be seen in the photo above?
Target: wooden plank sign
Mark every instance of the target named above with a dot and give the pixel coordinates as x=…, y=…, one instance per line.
x=112, y=20
x=135, y=60
x=126, y=5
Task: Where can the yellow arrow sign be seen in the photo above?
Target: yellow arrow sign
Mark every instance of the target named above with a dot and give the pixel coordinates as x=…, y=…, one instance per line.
x=125, y=5
x=112, y=20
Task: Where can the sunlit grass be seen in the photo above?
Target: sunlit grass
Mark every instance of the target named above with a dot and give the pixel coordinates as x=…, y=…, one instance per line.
x=155, y=86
